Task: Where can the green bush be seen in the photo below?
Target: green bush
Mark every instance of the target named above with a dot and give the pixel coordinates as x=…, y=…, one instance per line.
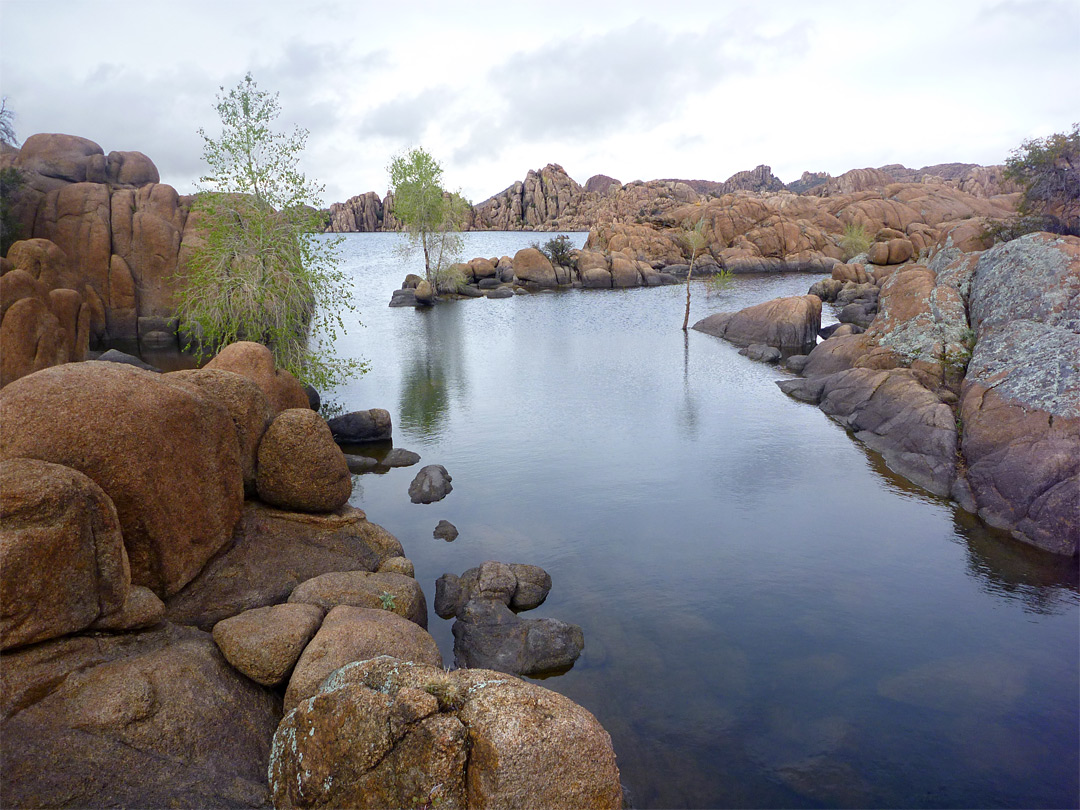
x=558, y=249
x=855, y=240
x=1049, y=170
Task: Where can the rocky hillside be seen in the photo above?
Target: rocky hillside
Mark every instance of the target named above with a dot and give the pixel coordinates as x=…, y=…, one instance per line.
x=548, y=199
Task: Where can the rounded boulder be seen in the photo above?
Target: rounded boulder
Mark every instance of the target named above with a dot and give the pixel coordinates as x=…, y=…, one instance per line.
x=299, y=465
x=164, y=452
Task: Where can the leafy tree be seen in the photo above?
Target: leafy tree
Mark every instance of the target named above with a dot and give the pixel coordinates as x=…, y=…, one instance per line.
x=1049, y=170
x=258, y=274
x=559, y=249
x=432, y=217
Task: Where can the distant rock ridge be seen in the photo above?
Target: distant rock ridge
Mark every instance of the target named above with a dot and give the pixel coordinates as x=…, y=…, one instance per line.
x=548, y=199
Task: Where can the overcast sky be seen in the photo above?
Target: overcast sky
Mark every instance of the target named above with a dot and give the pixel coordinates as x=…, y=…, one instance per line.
x=634, y=90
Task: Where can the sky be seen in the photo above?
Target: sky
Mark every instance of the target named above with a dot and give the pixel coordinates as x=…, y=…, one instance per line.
x=634, y=90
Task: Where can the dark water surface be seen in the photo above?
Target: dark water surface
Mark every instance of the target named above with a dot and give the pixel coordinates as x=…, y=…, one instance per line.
x=772, y=618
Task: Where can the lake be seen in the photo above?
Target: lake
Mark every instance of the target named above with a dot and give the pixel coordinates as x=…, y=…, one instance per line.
x=772, y=618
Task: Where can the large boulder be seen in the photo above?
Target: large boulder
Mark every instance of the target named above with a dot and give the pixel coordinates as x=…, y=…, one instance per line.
x=788, y=324
x=151, y=719
x=272, y=552
x=62, y=558
x=256, y=361
x=532, y=266
x=247, y=406
x=64, y=157
x=389, y=733
x=1020, y=402
x=352, y=634
x=164, y=452
x=299, y=465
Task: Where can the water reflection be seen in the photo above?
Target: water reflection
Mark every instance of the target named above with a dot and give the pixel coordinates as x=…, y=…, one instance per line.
x=432, y=371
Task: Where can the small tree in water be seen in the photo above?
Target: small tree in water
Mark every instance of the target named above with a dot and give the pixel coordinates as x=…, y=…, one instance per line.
x=431, y=215
x=256, y=273
x=693, y=239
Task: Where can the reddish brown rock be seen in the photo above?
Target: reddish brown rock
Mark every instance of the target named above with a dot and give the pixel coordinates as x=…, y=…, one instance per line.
x=131, y=169
x=147, y=226
x=533, y=266
x=31, y=339
x=247, y=406
x=356, y=634
x=300, y=466
x=383, y=590
x=789, y=324
x=265, y=643
x=273, y=552
x=149, y=719
x=255, y=361
x=62, y=558
x=65, y=157
x=163, y=452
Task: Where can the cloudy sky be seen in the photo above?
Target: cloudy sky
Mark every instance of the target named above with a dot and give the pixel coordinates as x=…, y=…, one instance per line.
x=635, y=90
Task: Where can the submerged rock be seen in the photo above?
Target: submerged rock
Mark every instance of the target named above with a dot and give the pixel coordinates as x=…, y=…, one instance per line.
x=445, y=531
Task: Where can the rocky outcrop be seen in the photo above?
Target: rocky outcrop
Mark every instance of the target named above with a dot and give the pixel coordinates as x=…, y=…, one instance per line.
x=1020, y=402
x=44, y=313
x=149, y=719
x=360, y=214
x=121, y=229
x=971, y=357
x=358, y=427
x=163, y=451
x=488, y=634
x=398, y=593
x=788, y=324
x=265, y=643
x=389, y=733
x=256, y=362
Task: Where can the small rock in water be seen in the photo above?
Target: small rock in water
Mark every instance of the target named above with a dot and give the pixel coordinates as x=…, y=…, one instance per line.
x=431, y=484
x=400, y=457
x=360, y=464
x=445, y=531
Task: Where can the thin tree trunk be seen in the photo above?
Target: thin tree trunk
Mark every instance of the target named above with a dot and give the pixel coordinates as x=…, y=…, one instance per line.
x=689, y=273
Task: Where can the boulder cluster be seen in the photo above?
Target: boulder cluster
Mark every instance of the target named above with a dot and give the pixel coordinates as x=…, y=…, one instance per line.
x=961, y=371
x=489, y=634
x=102, y=242
x=181, y=572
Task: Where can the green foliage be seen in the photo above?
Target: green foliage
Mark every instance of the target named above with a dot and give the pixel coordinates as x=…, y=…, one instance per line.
x=1049, y=170
x=432, y=216
x=855, y=240
x=10, y=228
x=558, y=249
x=257, y=273
x=386, y=599
x=717, y=282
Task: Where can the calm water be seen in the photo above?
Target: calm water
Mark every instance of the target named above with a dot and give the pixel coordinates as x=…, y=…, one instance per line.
x=772, y=619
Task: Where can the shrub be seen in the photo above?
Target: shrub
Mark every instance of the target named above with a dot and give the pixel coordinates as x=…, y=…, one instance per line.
x=855, y=240
x=1049, y=170
x=558, y=249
